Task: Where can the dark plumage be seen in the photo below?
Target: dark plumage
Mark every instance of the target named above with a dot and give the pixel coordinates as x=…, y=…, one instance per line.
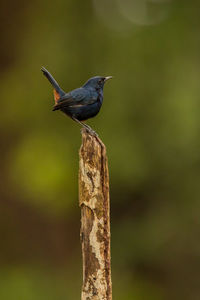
x=82, y=103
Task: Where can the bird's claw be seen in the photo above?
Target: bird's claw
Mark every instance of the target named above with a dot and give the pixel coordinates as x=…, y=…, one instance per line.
x=91, y=131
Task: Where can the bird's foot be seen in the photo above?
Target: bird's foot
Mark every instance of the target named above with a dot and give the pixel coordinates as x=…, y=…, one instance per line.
x=90, y=130
x=87, y=127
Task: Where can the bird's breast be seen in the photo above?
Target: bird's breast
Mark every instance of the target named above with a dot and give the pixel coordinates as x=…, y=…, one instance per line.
x=100, y=96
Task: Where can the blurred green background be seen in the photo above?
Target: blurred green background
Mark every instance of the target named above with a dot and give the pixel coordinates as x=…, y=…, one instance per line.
x=149, y=122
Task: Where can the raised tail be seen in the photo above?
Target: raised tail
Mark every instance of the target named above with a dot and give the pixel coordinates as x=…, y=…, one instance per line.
x=58, y=92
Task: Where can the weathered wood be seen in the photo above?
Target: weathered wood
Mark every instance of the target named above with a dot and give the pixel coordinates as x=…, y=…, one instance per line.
x=95, y=219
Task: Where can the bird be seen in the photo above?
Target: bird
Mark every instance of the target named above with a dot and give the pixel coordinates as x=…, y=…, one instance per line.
x=81, y=103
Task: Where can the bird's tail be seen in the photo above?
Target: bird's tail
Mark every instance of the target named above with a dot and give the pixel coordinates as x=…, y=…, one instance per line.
x=58, y=92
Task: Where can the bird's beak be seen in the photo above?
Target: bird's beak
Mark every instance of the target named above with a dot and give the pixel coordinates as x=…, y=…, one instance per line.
x=107, y=78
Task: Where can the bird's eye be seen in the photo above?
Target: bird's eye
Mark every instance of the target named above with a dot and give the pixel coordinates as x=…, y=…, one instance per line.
x=100, y=81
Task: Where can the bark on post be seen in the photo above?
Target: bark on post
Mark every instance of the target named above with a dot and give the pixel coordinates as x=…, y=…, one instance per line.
x=95, y=219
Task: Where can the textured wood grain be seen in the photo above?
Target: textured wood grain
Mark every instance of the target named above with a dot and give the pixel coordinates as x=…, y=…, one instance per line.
x=95, y=219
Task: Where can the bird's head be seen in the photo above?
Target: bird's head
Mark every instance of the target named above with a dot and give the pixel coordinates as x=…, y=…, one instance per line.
x=97, y=82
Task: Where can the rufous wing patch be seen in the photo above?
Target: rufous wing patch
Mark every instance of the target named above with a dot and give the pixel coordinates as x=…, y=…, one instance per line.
x=56, y=96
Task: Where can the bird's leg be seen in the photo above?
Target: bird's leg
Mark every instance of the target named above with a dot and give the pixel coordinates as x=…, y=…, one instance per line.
x=87, y=127
x=82, y=124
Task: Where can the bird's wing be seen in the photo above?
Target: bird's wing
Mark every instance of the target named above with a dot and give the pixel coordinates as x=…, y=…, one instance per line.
x=77, y=97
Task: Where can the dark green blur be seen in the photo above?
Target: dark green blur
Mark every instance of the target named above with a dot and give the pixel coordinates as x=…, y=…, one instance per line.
x=149, y=123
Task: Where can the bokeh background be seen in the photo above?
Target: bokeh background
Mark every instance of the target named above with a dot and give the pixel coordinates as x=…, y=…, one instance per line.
x=149, y=122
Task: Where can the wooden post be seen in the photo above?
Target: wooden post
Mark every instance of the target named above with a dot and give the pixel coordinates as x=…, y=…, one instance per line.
x=95, y=219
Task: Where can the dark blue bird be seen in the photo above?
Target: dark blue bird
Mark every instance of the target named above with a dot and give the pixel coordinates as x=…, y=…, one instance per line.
x=82, y=103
